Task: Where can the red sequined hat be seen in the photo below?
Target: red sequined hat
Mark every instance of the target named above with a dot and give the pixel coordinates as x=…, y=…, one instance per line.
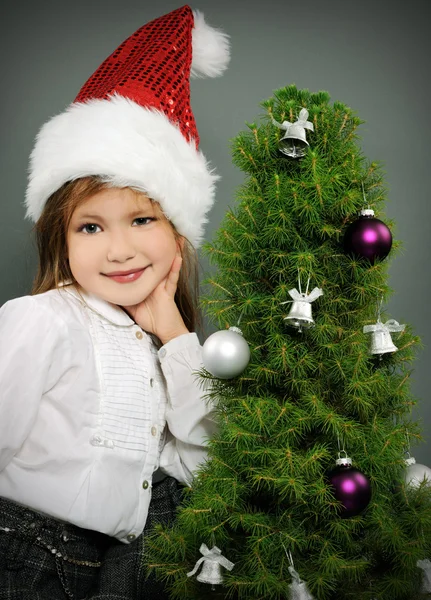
x=132, y=124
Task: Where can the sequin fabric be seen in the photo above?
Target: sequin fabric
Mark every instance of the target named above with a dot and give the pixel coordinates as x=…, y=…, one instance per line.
x=152, y=68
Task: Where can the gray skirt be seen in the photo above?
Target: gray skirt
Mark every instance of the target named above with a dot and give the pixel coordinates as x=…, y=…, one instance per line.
x=45, y=559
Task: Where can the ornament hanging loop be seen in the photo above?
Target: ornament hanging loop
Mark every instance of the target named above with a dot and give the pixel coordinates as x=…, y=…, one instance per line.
x=237, y=329
x=299, y=283
x=407, y=454
x=291, y=568
x=363, y=194
x=379, y=308
x=342, y=460
x=298, y=587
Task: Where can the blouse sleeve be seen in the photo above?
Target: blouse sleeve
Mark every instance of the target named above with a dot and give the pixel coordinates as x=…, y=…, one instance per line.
x=29, y=335
x=190, y=416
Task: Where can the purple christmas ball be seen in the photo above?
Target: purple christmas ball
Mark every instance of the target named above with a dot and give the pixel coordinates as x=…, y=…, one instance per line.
x=351, y=487
x=368, y=237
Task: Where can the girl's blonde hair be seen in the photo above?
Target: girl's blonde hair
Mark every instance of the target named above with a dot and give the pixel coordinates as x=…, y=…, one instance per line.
x=50, y=232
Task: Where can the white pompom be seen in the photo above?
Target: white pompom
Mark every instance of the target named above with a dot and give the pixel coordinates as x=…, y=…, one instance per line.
x=211, y=49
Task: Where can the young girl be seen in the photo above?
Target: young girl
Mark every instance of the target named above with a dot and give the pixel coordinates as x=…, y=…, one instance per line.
x=102, y=419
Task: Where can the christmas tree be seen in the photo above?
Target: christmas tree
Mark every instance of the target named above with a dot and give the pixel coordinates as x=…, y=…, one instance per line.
x=268, y=513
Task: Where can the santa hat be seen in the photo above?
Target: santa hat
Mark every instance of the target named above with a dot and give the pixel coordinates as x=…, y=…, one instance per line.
x=132, y=124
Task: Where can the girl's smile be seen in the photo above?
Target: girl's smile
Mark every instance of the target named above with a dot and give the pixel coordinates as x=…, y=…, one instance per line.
x=126, y=278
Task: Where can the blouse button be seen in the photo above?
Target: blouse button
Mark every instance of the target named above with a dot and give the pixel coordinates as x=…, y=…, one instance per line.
x=162, y=352
x=145, y=484
x=131, y=537
x=152, y=382
x=153, y=430
x=139, y=335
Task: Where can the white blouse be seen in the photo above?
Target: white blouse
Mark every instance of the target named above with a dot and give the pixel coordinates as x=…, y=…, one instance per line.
x=90, y=408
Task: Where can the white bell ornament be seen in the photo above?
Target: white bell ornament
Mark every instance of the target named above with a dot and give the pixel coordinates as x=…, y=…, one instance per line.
x=212, y=561
x=294, y=142
x=300, y=312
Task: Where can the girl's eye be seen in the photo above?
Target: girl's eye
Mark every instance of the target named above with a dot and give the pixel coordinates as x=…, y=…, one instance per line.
x=148, y=219
x=84, y=227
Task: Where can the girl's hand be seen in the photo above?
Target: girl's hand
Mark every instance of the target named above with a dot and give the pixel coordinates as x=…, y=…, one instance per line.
x=158, y=313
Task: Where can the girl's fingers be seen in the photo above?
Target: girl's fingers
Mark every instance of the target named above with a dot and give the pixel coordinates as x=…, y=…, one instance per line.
x=174, y=275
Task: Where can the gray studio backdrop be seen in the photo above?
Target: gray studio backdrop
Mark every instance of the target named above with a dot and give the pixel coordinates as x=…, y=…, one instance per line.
x=372, y=56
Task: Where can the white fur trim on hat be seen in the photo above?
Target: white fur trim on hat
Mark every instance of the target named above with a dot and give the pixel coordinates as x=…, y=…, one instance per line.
x=128, y=146
x=210, y=49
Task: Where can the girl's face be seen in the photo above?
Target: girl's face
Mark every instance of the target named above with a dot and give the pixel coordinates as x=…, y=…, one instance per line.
x=117, y=230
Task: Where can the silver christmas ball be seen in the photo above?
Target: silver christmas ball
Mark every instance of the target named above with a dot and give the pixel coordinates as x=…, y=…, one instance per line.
x=226, y=353
x=415, y=473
